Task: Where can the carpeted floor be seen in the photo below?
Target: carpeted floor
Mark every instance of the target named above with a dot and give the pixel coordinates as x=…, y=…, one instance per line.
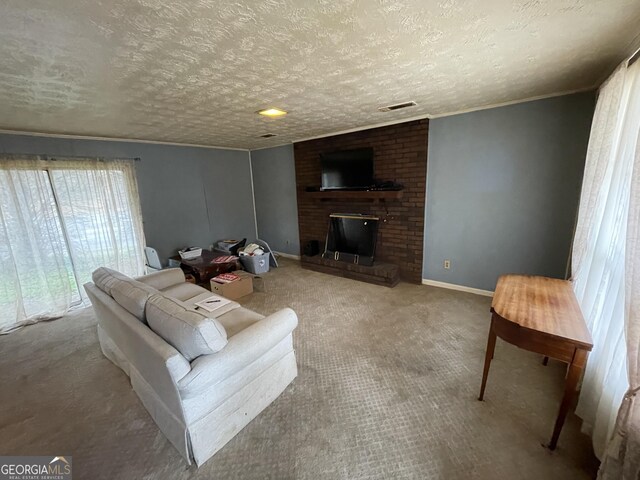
x=387, y=388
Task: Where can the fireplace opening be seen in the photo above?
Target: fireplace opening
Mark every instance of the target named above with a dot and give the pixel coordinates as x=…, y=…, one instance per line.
x=351, y=238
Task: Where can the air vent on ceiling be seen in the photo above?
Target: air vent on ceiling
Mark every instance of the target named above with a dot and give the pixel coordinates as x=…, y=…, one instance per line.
x=397, y=106
x=268, y=135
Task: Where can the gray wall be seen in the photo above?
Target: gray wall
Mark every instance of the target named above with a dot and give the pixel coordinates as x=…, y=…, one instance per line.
x=274, y=183
x=188, y=195
x=502, y=190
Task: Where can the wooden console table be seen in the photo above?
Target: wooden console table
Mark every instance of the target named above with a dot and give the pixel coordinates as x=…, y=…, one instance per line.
x=541, y=315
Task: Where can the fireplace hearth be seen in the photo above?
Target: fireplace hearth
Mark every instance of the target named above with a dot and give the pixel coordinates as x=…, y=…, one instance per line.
x=381, y=273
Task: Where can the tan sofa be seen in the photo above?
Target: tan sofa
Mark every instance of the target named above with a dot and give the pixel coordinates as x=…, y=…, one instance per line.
x=233, y=364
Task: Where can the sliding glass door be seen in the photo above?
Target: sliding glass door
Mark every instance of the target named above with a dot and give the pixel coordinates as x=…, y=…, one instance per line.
x=97, y=214
x=36, y=278
x=59, y=221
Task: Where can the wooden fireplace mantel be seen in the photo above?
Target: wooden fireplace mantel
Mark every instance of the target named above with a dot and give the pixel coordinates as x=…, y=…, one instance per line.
x=364, y=195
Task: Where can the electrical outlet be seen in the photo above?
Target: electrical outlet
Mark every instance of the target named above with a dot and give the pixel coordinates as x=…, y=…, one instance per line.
x=447, y=264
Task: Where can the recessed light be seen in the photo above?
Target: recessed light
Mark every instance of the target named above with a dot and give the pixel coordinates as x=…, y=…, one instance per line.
x=268, y=135
x=272, y=112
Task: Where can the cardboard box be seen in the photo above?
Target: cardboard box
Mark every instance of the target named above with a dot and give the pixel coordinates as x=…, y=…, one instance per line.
x=236, y=289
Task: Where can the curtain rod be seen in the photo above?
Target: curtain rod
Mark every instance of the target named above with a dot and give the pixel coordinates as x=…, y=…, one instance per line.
x=633, y=58
x=53, y=158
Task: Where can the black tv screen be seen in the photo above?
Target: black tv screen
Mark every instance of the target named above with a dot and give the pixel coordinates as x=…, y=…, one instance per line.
x=349, y=169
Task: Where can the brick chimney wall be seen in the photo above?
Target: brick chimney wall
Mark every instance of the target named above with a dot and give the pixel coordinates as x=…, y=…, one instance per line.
x=400, y=154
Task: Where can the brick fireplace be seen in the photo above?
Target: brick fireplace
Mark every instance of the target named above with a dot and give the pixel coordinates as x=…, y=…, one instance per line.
x=400, y=155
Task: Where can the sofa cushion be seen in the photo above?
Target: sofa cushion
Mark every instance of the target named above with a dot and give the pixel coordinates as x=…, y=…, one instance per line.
x=183, y=291
x=189, y=331
x=105, y=278
x=218, y=311
x=237, y=320
x=164, y=278
x=132, y=296
x=190, y=294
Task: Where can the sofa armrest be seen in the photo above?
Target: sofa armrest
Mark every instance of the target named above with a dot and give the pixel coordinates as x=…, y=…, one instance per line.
x=163, y=279
x=242, y=349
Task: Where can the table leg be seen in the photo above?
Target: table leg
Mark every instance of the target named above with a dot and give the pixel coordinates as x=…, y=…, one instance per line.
x=545, y=360
x=491, y=345
x=575, y=371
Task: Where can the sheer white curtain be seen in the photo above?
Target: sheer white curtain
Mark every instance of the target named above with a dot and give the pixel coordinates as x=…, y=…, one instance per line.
x=601, y=268
x=622, y=459
x=36, y=278
x=59, y=220
x=100, y=210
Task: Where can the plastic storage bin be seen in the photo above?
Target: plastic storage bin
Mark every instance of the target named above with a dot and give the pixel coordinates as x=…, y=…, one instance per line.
x=255, y=264
x=190, y=254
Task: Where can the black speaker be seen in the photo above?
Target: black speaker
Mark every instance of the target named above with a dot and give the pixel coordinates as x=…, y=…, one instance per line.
x=312, y=248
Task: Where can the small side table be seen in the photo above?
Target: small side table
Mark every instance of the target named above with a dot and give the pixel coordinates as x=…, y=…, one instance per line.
x=541, y=315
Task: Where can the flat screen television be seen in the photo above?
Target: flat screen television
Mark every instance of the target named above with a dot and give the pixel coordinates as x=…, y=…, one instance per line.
x=347, y=170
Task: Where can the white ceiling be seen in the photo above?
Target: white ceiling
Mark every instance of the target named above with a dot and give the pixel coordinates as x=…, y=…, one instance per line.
x=196, y=71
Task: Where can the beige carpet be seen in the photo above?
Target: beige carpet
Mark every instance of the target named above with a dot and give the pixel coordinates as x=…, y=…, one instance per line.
x=387, y=387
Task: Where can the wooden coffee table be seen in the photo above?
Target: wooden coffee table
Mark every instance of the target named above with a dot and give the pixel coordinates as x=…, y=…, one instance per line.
x=203, y=267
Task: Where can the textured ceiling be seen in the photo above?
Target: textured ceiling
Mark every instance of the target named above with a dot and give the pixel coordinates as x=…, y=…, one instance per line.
x=196, y=71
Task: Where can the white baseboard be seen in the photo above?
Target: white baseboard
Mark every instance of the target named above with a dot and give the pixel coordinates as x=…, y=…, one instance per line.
x=453, y=286
x=287, y=255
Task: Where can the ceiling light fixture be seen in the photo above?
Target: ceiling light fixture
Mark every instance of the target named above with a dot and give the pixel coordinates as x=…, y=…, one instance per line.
x=397, y=106
x=271, y=112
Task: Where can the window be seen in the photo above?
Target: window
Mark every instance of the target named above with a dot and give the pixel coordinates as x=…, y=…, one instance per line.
x=59, y=221
x=601, y=262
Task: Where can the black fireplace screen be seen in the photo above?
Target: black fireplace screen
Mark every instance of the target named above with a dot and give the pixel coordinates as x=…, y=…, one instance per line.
x=351, y=238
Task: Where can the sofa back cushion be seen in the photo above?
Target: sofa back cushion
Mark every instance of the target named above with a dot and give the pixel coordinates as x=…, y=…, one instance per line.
x=105, y=279
x=132, y=296
x=187, y=330
x=164, y=278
